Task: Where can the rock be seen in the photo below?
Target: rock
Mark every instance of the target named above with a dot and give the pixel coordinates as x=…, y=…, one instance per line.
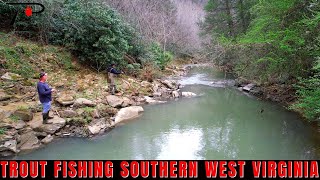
x=47, y=139
x=36, y=121
x=249, y=87
x=29, y=141
x=4, y=96
x=66, y=98
x=4, y=138
x=41, y=134
x=149, y=100
x=111, y=111
x=128, y=113
x=175, y=94
x=24, y=115
x=25, y=130
x=4, y=125
x=95, y=114
x=6, y=111
x=83, y=102
x=188, y=94
x=98, y=126
x=145, y=84
x=169, y=84
x=126, y=102
x=11, y=77
x=114, y=101
x=157, y=94
x=19, y=125
x=68, y=114
x=57, y=123
x=10, y=145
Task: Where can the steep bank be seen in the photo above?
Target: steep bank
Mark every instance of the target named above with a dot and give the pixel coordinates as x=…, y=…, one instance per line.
x=82, y=107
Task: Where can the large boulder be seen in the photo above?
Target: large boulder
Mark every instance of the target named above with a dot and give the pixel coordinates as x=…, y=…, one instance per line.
x=82, y=102
x=19, y=125
x=10, y=147
x=98, y=126
x=66, y=98
x=249, y=87
x=29, y=141
x=126, y=102
x=114, y=101
x=11, y=76
x=68, y=114
x=175, y=94
x=47, y=139
x=24, y=115
x=170, y=84
x=128, y=113
x=150, y=100
x=4, y=96
x=57, y=123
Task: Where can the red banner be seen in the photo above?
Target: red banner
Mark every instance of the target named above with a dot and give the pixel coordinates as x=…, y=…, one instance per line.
x=153, y=169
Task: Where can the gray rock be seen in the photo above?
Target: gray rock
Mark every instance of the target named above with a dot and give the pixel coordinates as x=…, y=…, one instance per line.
x=126, y=102
x=81, y=102
x=29, y=141
x=95, y=114
x=128, y=113
x=47, y=139
x=66, y=98
x=10, y=145
x=98, y=126
x=175, y=94
x=170, y=84
x=57, y=123
x=150, y=100
x=24, y=115
x=68, y=114
x=249, y=87
x=19, y=125
x=4, y=96
x=114, y=101
x=11, y=76
x=4, y=138
x=41, y=134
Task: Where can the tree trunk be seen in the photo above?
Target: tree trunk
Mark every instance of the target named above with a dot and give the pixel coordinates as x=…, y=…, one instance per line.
x=229, y=16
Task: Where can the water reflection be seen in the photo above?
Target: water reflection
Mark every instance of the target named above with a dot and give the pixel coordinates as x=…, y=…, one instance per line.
x=181, y=144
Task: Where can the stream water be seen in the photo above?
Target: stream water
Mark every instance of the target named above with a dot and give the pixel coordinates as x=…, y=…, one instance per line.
x=222, y=123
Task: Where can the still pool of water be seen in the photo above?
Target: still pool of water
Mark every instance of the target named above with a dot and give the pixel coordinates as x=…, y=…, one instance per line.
x=222, y=123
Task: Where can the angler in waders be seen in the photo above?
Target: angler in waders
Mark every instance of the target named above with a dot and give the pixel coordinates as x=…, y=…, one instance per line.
x=112, y=72
x=45, y=92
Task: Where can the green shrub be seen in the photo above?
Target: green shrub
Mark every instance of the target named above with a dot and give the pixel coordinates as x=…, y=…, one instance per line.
x=158, y=56
x=94, y=32
x=308, y=91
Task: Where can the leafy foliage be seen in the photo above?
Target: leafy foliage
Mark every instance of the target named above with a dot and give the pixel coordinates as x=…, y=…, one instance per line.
x=94, y=32
x=158, y=56
x=277, y=47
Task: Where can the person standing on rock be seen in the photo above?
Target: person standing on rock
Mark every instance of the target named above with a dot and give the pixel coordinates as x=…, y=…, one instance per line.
x=45, y=92
x=112, y=72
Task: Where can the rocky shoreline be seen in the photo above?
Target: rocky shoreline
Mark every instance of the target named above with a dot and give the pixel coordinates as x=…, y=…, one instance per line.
x=74, y=115
x=283, y=94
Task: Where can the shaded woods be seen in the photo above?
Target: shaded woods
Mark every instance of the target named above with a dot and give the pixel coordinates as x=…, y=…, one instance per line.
x=135, y=34
x=273, y=43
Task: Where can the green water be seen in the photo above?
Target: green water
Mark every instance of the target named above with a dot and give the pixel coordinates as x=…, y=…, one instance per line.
x=222, y=123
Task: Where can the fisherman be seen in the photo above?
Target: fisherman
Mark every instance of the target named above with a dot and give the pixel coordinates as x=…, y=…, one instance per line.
x=45, y=92
x=112, y=72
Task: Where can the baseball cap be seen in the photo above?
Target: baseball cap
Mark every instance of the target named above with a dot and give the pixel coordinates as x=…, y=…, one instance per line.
x=42, y=74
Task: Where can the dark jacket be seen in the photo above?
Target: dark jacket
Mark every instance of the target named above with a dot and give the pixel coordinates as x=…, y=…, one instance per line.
x=44, y=92
x=113, y=70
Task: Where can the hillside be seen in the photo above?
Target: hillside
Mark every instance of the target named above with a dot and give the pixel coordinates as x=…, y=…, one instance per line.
x=82, y=106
